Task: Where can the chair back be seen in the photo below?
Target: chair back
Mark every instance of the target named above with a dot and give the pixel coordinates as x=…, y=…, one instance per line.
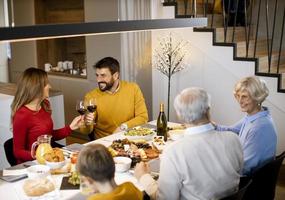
x=8, y=147
x=264, y=180
x=243, y=185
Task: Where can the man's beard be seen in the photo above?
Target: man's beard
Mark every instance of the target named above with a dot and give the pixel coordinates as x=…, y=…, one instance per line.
x=108, y=86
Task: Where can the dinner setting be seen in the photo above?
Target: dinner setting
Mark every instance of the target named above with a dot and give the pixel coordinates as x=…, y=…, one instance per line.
x=142, y=100
x=54, y=169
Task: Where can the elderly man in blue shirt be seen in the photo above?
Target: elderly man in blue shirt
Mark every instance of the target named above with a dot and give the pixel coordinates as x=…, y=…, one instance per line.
x=256, y=130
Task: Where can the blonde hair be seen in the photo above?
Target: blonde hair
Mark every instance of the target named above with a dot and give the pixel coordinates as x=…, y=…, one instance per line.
x=256, y=88
x=192, y=104
x=30, y=86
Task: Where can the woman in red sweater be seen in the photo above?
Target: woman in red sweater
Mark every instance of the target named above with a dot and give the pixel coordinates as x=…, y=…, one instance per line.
x=31, y=114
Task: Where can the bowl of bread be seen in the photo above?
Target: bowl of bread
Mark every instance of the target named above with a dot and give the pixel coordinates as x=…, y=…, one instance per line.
x=55, y=159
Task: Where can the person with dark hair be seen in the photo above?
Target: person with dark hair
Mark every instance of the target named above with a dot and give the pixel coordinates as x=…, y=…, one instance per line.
x=120, y=104
x=31, y=114
x=96, y=167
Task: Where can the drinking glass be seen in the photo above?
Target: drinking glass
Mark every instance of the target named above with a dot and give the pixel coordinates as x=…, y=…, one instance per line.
x=92, y=108
x=80, y=107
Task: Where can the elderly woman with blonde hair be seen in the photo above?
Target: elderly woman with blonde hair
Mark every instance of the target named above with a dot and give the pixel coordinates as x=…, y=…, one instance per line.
x=256, y=130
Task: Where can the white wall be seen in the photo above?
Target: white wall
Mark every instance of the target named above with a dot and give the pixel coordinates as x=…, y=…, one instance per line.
x=213, y=68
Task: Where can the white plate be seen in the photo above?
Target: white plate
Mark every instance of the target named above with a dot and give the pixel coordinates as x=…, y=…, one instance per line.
x=135, y=137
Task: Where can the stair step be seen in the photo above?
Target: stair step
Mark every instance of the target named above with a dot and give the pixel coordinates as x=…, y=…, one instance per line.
x=239, y=34
x=261, y=48
x=263, y=63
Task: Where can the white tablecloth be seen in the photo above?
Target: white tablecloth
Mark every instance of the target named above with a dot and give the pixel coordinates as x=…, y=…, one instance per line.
x=14, y=191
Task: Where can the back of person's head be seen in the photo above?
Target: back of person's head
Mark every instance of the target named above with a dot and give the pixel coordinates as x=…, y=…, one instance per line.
x=96, y=162
x=256, y=88
x=108, y=62
x=192, y=104
x=29, y=87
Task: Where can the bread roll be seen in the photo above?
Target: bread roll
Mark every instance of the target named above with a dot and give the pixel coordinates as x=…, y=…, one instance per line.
x=38, y=187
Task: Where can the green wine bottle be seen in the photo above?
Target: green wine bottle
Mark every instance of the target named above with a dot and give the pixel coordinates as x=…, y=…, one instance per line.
x=161, y=124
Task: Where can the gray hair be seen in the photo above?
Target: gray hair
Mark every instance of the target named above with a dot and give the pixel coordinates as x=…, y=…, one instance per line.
x=256, y=88
x=192, y=104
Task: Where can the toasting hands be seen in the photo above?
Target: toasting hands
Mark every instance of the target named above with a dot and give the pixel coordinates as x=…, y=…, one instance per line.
x=81, y=119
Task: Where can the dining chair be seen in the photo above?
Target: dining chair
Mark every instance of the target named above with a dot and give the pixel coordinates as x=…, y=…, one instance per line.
x=8, y=147
x=243, y=185
x=264, y=180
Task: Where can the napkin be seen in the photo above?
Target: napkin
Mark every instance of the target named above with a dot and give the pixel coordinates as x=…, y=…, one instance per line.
x=14, y=172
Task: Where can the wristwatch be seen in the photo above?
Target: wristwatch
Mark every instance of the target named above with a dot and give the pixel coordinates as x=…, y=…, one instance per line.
x=124, y=127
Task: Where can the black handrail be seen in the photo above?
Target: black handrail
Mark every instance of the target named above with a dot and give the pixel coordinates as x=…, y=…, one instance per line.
x=257, y=26
x=212, y=22
x=235, y=20
x=281, y=41
x=249, y=15
x=250, y=21
x=267, y=32
x=273, y=32
x=246, y=30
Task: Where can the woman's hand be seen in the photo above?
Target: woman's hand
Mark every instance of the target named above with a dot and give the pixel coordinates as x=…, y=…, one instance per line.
x=141, y=169
x=76, y=122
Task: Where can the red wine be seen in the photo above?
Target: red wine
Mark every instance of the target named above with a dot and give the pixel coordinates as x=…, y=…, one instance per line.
x=91, y=108
x=82, y=111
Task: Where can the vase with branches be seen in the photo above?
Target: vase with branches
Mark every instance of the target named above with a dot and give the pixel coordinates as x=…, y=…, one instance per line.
x=169, y=59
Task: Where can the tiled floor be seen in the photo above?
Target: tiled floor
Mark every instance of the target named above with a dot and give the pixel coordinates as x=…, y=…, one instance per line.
x=280, y=188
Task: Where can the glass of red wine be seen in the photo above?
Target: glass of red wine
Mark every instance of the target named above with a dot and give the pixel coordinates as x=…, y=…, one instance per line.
x=92, y=107
x=80, y=107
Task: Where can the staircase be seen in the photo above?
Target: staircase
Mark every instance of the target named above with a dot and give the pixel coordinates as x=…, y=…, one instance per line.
x=250, y=42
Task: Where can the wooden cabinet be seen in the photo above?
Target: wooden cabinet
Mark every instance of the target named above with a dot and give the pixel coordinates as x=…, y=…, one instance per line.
x=61, y=49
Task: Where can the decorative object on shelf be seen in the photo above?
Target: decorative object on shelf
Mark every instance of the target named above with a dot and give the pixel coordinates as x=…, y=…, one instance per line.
x=169, y=59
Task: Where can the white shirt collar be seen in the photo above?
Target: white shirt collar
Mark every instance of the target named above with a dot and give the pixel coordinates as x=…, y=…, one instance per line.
x=199, y=129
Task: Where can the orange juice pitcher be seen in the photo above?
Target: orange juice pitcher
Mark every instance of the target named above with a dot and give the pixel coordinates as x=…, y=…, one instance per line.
x=43, y=147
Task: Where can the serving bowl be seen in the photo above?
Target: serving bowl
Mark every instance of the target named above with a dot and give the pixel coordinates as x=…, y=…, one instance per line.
x=122, y=164
x=55, y=165
x=176, y=134
x=38, y=171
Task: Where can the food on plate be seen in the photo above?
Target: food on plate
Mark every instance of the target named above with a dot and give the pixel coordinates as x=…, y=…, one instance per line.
x=74, y=179
x=158, y=140
x=38, y=187
x=142, y=154
x=74, y=157
x=139, y=131
x=151, y=153
x=136, y=150
x=158, y=143
x=54, y=156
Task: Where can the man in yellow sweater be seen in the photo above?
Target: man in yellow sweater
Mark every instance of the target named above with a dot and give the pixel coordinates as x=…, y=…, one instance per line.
x=97, y=170
x=120, y=104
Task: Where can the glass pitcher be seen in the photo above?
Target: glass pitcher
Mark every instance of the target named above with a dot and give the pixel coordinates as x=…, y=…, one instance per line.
x=43, y=144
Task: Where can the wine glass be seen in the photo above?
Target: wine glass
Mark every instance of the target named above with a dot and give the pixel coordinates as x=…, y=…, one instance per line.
x=80, y=107
x=92, y=107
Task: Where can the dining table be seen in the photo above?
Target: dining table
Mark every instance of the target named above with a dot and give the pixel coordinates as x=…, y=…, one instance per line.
x=14, y=190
